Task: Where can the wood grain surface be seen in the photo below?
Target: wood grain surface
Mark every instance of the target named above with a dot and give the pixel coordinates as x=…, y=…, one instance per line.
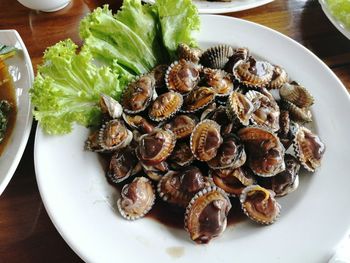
x=26, y=232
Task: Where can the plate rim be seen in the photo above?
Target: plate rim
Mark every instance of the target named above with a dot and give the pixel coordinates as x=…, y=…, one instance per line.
x=71, y=243
x=224, y=10
x=29, y=116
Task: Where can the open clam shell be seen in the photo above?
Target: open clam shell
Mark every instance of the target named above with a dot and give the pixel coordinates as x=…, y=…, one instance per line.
x=309, y=148
x=181, y=125
x=286, y=181
x=156, y=146
x=206, y=214
x=198, y=99
x=138, y=122
x=266, y=111
x=296, y=114
x=279, y=78
x=138, y=94
x=113, y=135
x=205, y=140
x=264, y=150
x=110, y=106
x=220, y=81
x=240, y=108
x=252, y=73
x=189, y=53
x=259, y=204
x=216, y=57
x=230, y=154
x=296, y=94
x=92, y=143
x=182, y=76
x=137, y=198
x=122, y=165
x=239, y=54
x=165, y=106
x=232, y=180
x=178, y=187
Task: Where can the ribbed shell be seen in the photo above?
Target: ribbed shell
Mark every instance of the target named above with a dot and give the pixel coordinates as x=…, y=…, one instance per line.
x=240, y=107
x=182, y=76
x=198, y=204
x=135, y=209
x=279, y=78
x=253, y=73
x=296, y=114
x=252, y=213
x=216, y=57
x=296, y=94
x=165, y=106
x=188, y=53
x=200, y=140
x=198, y=99
x=309, y=149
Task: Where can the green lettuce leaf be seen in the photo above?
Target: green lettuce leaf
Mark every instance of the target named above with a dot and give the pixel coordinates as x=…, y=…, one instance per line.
x=67, y=88
x=178, y=20
x=130, y=36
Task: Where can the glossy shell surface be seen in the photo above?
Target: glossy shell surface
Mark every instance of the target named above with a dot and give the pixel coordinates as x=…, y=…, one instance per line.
x=240, y=108
x=137, y=198
x=206, y=214
x=165, y=106
x=219, y=80
x=216, y=57
x=197, y=99
x=264, y=149
x=259, y=204
x=309, y=148
x=181, y=125
x=205, y=140
x=182, y=76
x=113, y=135
x=138, y=94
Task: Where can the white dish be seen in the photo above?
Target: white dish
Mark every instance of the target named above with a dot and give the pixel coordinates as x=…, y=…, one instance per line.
x=20, y=67
x=335, y=21
x=207, y=7
x=82, y=205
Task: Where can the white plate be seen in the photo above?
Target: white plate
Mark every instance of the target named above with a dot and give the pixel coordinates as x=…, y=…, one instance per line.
x=20, y=67
x=206, y=7
x=334, y=20
x=81, y=203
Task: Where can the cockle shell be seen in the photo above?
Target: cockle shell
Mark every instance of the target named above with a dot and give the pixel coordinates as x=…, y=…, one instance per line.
x=113, y=135
x=232, y=180
x=253, y=73
x=279, y=78
x=165, y=106
x=205, y=140
x=189, y=53
x=264, y=150
x=240, y=108
x=259, y=204
x=138, y=94
x=182, y=76
x=296, y=113
x=206, y=214
x=296, y=94
x=309, y=148
x=156, y=146
x=181, y=125
x=198, y=99
x=219, y=80
x=137, y=198
x=216, y=57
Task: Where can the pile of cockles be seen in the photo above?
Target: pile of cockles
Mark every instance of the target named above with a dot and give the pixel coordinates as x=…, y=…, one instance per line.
x=204, y=130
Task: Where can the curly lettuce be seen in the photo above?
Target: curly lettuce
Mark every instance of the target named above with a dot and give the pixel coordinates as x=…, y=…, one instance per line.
x=67, y=88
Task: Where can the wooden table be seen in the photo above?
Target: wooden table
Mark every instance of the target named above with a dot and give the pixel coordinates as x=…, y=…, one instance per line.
x=26, y=232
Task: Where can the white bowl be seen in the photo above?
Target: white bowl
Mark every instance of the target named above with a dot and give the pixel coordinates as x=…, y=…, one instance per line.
x=45, y=5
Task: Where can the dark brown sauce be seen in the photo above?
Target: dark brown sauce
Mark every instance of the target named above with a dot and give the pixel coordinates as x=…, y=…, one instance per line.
x=7, y=92
x=170, y=215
